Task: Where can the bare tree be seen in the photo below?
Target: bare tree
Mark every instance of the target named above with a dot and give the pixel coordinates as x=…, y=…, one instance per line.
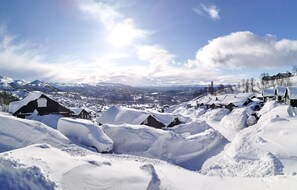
x=247, y=85
x=252, y=84
x=294, y=69
x=211, y=88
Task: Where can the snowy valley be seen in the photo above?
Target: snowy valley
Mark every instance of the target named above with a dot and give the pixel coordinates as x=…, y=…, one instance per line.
x=198, y=144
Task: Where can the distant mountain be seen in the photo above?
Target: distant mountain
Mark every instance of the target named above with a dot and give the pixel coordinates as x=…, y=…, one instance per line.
x=5, y=83
x=16, y=86
x=104, y=92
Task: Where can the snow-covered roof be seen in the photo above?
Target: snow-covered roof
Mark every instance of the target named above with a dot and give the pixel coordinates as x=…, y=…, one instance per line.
x=165, y=118
x=204, y=100
x=77, y=111
x=118, y=115
x=237, y=99
x=268, y=92
x=280, y=90
x=15, y=106
x=292, y=92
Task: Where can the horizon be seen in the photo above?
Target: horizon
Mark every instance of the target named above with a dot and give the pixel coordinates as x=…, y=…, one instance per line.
x=146, y=43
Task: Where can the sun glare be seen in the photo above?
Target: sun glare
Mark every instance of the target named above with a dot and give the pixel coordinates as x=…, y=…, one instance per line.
x=124, y=34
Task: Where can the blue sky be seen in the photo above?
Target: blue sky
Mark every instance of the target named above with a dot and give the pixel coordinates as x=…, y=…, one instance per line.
x=140, y=42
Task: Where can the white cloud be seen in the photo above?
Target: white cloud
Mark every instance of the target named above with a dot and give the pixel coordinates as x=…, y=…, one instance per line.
x=210, y=10
x=247, y=50
x=100, y=12
x=122, y=31
x=125, y=33
x=158, y=57
x=17, y=61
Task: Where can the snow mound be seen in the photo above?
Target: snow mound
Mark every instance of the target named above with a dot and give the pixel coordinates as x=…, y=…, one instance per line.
x=50, y=120
x=281, y=112
x=187, y=145
x=116, y=115
x=264, y=149
x=100, y=171
x=17, y=133
x=236, y=120
x=14, y=175
x=215, y=114
x=268, y=106
x=85, y=132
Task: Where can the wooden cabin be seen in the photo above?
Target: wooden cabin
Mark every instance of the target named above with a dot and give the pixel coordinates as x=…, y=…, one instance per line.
x=81, y=113
x=268, y=94
x=291, y=96
x=39, y=103
x=280, y=93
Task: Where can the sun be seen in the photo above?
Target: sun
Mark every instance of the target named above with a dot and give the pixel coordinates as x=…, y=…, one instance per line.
x=124, y=34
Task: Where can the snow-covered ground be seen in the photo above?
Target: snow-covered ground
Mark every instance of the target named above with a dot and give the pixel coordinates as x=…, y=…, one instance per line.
x=42, y=166
x=53, y=152
x=187, y=145
x=264, y=149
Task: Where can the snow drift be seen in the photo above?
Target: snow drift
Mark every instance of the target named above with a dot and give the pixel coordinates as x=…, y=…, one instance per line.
x=17, y=133
x=14, y=175
x=45, y=167
x=85, y=132
x=236, y=120
x=186, y=145
x=215, y=114
x=265, y=149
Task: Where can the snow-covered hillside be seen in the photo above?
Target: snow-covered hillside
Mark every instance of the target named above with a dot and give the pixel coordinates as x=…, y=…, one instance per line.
x=42, y=166
x=218, y=145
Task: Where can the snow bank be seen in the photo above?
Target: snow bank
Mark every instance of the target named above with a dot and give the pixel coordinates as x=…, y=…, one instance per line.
x=281, y=112
x=50, y=120
x=14, y=175
x=187, y=145
x=236, y=120
x=96, y=171
x=268, y=106
x=267, y=148
x=85, y=132
x=215, y=114
x=17, y=133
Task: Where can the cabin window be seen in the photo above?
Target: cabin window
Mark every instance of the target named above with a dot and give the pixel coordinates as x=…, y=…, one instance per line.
x=42, y=102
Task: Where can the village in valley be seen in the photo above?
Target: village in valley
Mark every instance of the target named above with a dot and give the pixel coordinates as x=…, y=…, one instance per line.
x=148, y=95
x=198, y=133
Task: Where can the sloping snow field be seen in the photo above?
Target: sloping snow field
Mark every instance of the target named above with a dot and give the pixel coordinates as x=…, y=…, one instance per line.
x=219, y=147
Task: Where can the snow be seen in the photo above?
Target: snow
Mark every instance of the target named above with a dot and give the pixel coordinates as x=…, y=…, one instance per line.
x=85, y=132
x=215, y=114
x=50, y=120
x=262, y=156
x=264, y=149
x=165, y=118
x=268, y=92
x=17, y=133
x=15, y=106
x=268, y=106
x=292, y=92
x=236, y=120
x=186, y=145
x=237, y=99
x=116, y=115
x=57, y=169
x=14, y=175
x=281, y=91
x=76, y=111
